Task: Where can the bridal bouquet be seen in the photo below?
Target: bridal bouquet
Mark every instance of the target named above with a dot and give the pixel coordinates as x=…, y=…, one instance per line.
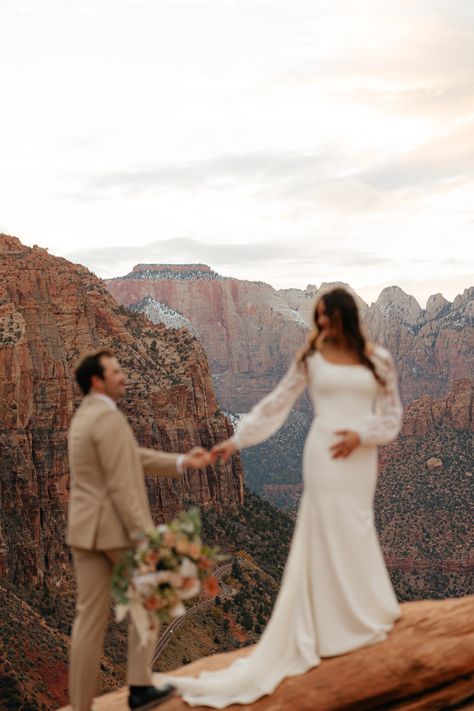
x=170, y=565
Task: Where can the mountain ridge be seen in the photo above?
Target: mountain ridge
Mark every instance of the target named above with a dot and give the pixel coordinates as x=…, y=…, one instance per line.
x=250, y=330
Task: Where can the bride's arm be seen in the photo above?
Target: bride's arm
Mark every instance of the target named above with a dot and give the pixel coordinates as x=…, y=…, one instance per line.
x=268, y=415
x=383, y=425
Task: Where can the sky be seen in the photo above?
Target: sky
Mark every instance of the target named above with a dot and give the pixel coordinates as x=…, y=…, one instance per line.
x=288, y=141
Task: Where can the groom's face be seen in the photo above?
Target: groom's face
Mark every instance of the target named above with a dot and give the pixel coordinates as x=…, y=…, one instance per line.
x=114, y=380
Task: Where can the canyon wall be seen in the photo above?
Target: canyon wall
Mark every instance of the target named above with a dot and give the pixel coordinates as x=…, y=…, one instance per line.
x=250, y=331
x=51, y=313
x=247, y=329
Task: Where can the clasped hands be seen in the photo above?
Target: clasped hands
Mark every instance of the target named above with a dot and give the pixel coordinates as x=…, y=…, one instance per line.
x=198, y=457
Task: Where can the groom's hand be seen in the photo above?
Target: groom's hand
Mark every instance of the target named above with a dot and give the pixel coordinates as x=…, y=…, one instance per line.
x=224, y=450
x=197, y=458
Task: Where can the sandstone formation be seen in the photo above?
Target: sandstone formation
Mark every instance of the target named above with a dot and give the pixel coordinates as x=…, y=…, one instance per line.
x=434, y=464
x=51, y=312
x=250, y=331
x=456, y=410
x=433, y=348
x=427, y=663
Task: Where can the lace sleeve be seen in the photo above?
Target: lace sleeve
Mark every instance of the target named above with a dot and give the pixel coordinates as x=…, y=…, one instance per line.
x=383, y=425
x=268, y=415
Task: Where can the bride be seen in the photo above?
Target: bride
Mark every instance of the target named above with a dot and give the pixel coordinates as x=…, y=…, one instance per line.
x=335, y=594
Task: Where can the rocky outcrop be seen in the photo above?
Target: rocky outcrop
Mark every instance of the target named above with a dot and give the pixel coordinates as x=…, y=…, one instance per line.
x=51, y=312
x=434, y=464
x=432, y=348
x=161, y=313
x=248, y=330
x=455, y=410
x=426, y=663
x=251, y=331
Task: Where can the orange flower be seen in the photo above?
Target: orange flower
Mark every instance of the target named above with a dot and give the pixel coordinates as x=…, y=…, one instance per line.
x=152, y=603
x=204, y=564
x=152, y=557
x=210, y=585
x=182, y=545
x=195, y=550
x=169, y=538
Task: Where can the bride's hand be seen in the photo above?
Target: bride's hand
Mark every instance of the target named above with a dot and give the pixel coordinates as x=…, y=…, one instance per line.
x=350, y=440
x=197, y=458
x=224, y=450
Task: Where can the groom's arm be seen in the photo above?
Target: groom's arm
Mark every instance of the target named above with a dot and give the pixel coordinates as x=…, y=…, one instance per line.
x=160, y=463
x=174, y=465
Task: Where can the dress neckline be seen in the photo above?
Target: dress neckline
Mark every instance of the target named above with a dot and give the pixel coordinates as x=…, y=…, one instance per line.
x=340, y=365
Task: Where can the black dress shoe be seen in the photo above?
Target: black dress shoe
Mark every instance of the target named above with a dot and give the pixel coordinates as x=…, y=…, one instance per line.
x=142, y=698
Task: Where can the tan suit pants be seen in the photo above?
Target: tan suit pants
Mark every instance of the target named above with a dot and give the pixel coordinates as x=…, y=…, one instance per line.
x=94, y=571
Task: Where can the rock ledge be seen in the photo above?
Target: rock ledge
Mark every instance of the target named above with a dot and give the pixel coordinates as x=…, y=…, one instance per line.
x=426, y=664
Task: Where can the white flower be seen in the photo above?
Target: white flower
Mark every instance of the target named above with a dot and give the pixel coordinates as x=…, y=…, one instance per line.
x=144, y=584
x=178, y=610
x=192, y=588
x=144, y=621
x=188, y=569
x=164, y=576
x=176, y=580
x=121, y=611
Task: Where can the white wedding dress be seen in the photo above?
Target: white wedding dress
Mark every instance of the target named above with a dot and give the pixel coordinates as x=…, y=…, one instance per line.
x=335, y=594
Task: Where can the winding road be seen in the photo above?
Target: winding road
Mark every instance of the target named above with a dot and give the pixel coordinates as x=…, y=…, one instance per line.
x=224, y=593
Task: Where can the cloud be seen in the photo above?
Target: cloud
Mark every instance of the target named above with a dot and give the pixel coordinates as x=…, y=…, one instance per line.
x=329, y=179
x=226, y=256
x=439, y=98
x=393, y=58
x=340, y=123
x=441, y=160
x=222, y=256
x=258, y=168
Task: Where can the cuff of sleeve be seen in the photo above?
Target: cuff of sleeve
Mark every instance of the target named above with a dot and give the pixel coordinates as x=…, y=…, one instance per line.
x=362, y=434
x=235, y=440
x=180, y=464
x=137, y=536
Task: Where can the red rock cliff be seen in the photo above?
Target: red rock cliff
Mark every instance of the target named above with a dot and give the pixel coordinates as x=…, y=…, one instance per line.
x=51, y=312
x=247, y=329
x=456, y=410
x=251, y=331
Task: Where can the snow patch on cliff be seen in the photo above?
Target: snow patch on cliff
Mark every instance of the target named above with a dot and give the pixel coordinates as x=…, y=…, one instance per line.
x=162, y=313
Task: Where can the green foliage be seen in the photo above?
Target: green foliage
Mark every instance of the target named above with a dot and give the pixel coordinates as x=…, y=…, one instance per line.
x=245, y=530
x=256, y=527
x=278, y=460
x=427, y=516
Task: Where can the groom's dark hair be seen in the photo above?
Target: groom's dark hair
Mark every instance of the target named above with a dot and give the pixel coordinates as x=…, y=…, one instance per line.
x=89, y=366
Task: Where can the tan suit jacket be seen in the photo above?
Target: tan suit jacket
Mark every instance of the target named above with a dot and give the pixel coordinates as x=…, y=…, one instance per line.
x=108, y=506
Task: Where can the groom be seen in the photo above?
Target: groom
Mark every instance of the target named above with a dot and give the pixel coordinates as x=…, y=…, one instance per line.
x=108, y=514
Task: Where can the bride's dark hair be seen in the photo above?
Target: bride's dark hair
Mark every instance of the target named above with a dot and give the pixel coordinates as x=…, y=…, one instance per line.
x=341, y=308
